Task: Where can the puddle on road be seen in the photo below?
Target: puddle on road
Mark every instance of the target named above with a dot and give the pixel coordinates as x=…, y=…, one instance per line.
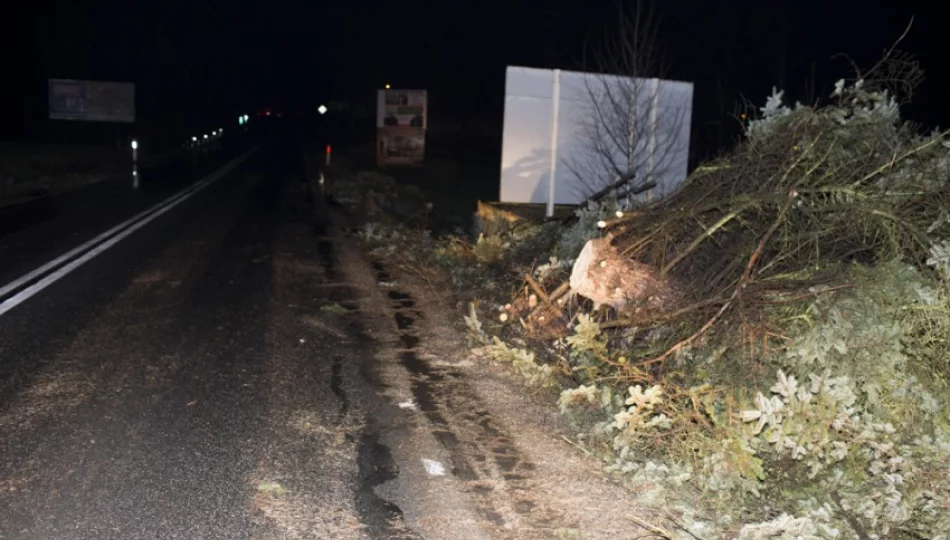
x=377, y=467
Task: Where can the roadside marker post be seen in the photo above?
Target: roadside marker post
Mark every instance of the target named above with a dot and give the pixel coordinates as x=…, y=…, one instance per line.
x=329, y=151
x=135, y=164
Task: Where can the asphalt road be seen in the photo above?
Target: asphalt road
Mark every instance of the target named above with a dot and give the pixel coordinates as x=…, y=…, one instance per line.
x=192, y=381
x=49, y=226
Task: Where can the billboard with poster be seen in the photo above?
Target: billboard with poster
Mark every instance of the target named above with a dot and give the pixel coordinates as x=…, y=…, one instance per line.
x=401, y=145
x=97, y=101
x=406, y=108
x=401, y=121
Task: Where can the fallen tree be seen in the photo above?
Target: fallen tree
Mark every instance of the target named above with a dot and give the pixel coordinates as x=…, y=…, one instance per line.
x=811, y=192
x=775, y=330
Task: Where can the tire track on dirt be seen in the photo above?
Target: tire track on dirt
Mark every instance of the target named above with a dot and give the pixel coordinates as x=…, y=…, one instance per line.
x=484, y=458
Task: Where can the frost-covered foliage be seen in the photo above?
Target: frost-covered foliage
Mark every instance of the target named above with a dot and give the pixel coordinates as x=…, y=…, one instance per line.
x=856, y=105
x=475, y=331
x=387, y=199
x=851, y=430
x=772, y=112
x=836, y=424
x=488, y=249
x=386, y=240
x=586, y=227
x=584, y=396
x=940, y=258
x=551, y=268
x=381, y=239
x=522, y=361
x=377, y=233
x=638, y=416
x=488, y=260
x=788, y=527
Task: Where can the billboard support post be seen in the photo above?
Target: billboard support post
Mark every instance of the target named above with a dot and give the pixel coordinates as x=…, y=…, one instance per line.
x=555, y=111
x=651, y=151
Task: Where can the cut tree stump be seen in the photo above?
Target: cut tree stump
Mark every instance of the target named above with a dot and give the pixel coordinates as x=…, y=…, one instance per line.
x=604, y=276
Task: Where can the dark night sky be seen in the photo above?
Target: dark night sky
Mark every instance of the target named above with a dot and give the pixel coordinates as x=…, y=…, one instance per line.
x=200, y=63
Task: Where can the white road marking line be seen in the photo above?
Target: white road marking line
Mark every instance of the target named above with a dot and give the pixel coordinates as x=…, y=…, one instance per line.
x=434, y=468
x=26, y=278
x=124, y=229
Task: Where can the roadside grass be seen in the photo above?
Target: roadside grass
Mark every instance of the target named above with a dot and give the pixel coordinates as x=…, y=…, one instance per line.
x=28, y=170
x=454, y=181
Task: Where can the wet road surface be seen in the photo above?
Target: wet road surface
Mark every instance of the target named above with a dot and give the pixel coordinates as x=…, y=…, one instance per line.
x=200, y=379
x=234, y=366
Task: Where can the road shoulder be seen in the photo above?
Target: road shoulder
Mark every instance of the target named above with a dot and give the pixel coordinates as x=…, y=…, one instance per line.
x=478, y=452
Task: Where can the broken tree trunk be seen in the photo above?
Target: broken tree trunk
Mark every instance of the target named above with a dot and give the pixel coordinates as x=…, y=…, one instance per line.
x=606, y=277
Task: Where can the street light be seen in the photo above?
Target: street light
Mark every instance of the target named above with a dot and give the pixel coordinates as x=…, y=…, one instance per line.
x=194, y=139
x=322, y=109
x=388, y=87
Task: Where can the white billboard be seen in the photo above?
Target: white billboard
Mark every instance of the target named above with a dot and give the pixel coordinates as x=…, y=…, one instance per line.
x=591, y=129
x=99, y=101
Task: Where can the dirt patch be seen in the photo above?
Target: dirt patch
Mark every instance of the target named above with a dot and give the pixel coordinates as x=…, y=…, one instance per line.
x=433, y=506
x=150, y=277
x=504, y=449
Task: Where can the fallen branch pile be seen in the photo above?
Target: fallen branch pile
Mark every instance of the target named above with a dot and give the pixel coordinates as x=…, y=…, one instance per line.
x=811, y=192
